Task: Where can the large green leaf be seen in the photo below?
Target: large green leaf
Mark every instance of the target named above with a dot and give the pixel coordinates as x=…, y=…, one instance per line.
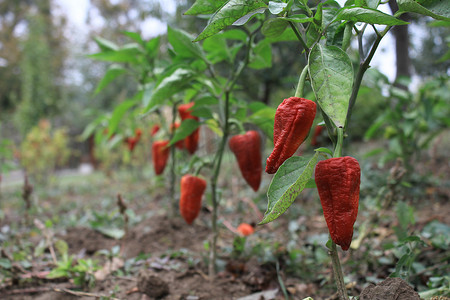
x=367, y=15
x=232, y=11
x=205, y=7
x=106, y=45
x=173, y=83
x=438, y=9
x=331, y=74
x=182, y=43
x=289, y=181
x=113, y=72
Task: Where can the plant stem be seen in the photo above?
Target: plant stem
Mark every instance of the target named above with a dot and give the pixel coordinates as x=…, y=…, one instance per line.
x=218, y=158
x=173, y=201
x=363, y=66
x=215, y=200
x=299, y=37
x=337, y=270
x=301, y=82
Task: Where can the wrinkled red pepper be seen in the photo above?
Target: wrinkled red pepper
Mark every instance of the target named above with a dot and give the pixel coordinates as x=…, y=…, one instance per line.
x=191, y=193
x=338, y=181
x=247, y=149
x=293, y=120
x=160, y=155
x=155, y=129
x=191, y=141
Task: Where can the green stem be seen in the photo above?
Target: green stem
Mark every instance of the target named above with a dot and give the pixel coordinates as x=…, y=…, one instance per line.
x=215, y=200
x=340, y=141
x=219, y=155
x=337, y=270
x=301, y=83
x=299, y=37
x=173, y=204
x=363, y=66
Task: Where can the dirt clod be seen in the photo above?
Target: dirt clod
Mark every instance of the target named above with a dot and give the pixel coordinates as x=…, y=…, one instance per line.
x=390, y=289
x=152, y=285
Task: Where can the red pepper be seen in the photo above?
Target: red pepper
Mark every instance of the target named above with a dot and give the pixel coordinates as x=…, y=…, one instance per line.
x=317, y=131
x=160, y=155
x=179, y=144
x=247, y=149
x=191, y=141
x=132, y=141
x=338, y=181
x=155, y=129
x=191, y=190
x=245, y=229
x=293, y=120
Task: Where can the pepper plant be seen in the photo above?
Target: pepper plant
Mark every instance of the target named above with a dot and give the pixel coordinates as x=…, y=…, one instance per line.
x=324, y=32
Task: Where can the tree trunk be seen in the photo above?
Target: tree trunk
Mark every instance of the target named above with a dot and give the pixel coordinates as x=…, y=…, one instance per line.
x=403, y=61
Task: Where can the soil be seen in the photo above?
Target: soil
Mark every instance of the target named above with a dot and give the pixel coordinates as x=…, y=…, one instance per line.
x=163, y=258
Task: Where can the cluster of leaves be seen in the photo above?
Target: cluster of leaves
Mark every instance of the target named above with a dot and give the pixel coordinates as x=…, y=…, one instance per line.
x=51, y=147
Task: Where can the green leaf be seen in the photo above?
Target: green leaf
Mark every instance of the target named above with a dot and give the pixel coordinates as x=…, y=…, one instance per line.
x=232, y=11
x=118, y=113
x=262, y=57
x=289, y=181
x=217, y=49
x=187, y=127
x=62, y=247
x=274, y=27
x=331, y=74
x=437, y=9
x=300, y=18
x=204, y=7
x=134, y=36
x=372, y=3
x=112, y=73
x=152, y=46
x=128, y=54
x=182, y=43
x=115, y=233
x=367, y=15
x=264, y=119
x=170, y=85
x=106, y=45
x=5, y=263
x=247, y=17
x=276, y=7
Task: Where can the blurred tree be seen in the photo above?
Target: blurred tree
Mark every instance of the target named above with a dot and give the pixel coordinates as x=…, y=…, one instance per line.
x=32, y=72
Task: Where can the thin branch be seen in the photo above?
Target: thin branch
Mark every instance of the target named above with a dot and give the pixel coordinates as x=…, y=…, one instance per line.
x=299, y=37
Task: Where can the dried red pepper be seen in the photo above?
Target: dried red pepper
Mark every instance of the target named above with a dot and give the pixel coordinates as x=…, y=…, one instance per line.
x=160, y=155
x=191, y=190
x=338, y=181
x=293, y=120
x=247, y=149
x=191, y=141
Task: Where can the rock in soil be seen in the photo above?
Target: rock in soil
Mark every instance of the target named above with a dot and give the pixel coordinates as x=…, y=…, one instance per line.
x=390, y=289
x=151, y=285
